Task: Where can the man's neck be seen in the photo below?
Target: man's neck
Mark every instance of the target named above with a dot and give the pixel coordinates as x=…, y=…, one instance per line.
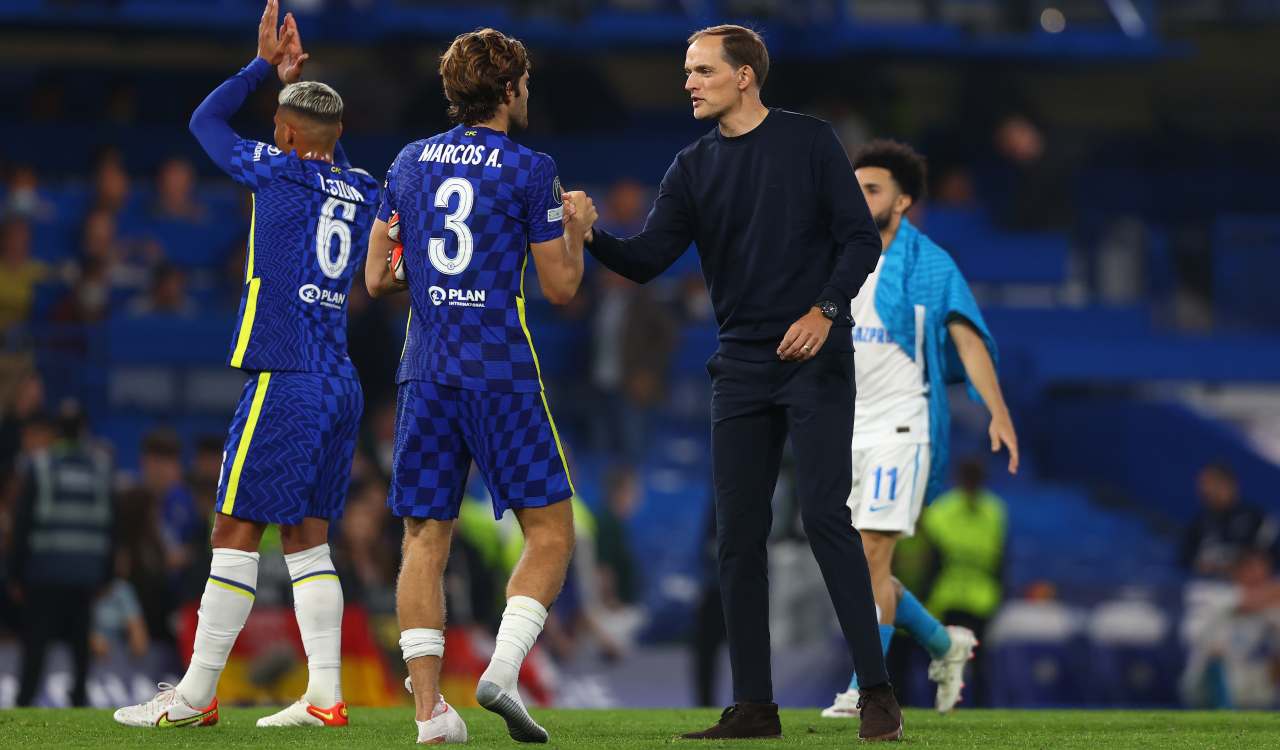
x=889, y=234
x=500, y=122
x=310, y=153
x=744, y=118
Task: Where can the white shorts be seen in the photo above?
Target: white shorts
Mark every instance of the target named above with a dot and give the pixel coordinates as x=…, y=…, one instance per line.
x=888, y=487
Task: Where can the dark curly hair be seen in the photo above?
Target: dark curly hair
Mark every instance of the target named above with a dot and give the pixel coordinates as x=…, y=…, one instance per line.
x=476, y=70
x=903, y=162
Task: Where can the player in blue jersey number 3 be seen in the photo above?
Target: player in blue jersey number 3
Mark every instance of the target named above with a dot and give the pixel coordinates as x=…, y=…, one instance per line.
x=473, y=205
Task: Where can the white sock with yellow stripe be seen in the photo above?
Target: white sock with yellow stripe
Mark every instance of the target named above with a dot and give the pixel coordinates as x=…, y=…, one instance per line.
x=228, y=597
x=317, y=603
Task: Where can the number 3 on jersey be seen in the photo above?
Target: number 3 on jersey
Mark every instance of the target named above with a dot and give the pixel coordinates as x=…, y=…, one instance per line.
x=454, y=222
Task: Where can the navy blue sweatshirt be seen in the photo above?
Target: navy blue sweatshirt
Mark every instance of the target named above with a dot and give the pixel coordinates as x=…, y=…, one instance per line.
x=780, y=225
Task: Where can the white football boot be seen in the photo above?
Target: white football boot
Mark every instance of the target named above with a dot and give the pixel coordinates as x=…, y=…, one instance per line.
x=168, y=710
x=845, y=706
x=948, y=671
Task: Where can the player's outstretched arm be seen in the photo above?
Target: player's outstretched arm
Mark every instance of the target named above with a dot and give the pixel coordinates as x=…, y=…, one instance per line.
x=559, y=261
x=379, y=278
x=667, y=234
x=981, y=371
x=209, y=123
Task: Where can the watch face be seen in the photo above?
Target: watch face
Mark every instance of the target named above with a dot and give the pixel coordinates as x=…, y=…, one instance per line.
x=830, y=310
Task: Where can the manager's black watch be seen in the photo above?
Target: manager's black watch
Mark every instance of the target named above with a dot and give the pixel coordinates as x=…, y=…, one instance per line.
x=829, y=310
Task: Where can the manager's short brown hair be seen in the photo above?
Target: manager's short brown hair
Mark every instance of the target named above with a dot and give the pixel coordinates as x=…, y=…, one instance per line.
x=476, y=70
x=742, y=46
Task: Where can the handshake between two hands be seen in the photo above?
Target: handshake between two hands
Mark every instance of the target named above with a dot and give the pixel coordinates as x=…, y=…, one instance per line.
x=579, y=213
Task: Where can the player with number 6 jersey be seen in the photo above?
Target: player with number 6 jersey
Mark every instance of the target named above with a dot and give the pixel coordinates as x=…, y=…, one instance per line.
x=289, y=450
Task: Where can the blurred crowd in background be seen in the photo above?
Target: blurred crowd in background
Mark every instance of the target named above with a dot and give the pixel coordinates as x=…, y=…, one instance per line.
x=121, y=265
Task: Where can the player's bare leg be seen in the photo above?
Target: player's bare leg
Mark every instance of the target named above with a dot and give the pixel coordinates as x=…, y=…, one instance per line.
x=420, y=609
x=879, y=546
x=534, y=585
x=548, y=545
x=318, y=604
x=420, y=601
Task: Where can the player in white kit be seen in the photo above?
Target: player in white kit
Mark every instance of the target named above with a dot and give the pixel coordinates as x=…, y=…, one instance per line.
x=916, y=329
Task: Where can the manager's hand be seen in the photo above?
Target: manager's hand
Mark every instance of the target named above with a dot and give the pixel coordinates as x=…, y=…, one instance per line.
x=805, y=337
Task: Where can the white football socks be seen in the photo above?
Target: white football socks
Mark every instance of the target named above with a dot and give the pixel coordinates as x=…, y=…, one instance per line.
x=317, y=603
x=522, y=622
x=224, y=607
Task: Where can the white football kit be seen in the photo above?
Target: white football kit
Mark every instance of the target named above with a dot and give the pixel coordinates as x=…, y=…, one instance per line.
x=891, y=421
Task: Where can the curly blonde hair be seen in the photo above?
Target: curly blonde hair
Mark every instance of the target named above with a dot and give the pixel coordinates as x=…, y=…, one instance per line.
x=476, y=70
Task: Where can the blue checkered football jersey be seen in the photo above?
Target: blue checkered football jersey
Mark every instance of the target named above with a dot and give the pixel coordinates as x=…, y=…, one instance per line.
x=470, y=202
x=308, y=237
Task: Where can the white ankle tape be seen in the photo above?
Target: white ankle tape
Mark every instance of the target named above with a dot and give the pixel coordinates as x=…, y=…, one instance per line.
x=417, y=642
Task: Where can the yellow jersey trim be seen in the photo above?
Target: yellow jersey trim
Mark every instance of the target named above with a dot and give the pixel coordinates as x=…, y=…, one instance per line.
x=542, y=391
x=246, y=437
x=251, y=302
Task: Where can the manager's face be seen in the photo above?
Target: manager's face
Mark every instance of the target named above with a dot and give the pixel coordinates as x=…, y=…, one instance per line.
x=711, y=81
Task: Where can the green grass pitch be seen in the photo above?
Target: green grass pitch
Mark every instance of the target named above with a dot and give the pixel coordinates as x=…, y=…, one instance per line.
x=382, y=728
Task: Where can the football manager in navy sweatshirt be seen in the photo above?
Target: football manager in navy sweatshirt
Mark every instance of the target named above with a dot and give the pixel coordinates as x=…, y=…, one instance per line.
x=785, y=240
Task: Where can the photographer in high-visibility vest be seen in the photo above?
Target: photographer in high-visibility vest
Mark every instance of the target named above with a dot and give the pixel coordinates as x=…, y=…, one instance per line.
x=968, y=526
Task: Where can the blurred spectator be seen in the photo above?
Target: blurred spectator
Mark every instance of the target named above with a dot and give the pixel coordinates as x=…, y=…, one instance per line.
x=953, y=187
x=19, y=273
x=23, y=199
x=206, y=470
x=625, y=207
x=1235, y=639
x=694, y=300
x=24, y=403
x=1031, y=186
x=365, y=546
x=369, y=326
x=122, y=103
x=62, y=551
x=617, y=565
x=141, y=560
x=176, y=192
x=110, y=182
x=167, y=295
x=89, y=299
x=380, y=436
x=118, y=624
x=633, y=338
x=967, y=526
x=181, y=526
x=102, y=245
x=1226, y=528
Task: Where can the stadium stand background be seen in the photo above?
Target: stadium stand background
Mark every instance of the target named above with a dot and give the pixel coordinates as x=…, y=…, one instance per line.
x=1107, y=187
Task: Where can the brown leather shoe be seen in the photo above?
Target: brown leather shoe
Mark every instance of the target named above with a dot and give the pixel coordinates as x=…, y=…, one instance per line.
x=881, y=717
x=743, y=721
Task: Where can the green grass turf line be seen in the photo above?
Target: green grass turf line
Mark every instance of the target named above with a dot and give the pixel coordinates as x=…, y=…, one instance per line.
x=384, y=728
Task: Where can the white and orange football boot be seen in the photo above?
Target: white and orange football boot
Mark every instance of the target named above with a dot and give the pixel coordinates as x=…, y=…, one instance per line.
x=168, y=710
x=303, y=714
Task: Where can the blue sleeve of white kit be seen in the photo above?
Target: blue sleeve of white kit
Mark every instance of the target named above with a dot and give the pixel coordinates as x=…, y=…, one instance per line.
x=209, y=123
